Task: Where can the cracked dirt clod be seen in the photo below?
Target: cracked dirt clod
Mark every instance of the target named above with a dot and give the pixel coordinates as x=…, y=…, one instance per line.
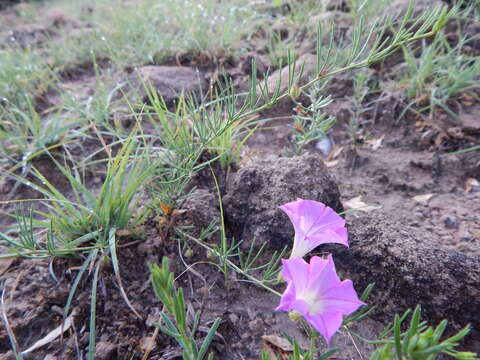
x=256, y=191
x=168, y=81
x=410, y=269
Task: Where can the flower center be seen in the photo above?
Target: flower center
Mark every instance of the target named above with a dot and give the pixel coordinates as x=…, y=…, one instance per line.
x=315, y=305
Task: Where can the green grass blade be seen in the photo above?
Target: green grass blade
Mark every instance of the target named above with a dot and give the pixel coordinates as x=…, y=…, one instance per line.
x=73, y=289
x=208, y=339
x=93, y=314
x=116, y=269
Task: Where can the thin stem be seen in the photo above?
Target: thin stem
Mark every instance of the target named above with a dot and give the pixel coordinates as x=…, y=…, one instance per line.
x=47, y=253
x=359, y=64
x=231, y=264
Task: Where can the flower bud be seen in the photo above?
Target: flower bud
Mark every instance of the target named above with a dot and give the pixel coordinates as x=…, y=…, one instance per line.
x=295, y=92
x=280, y=278
x=211, y=255
x=189, y=253
x=466, y=355
x=294, y=315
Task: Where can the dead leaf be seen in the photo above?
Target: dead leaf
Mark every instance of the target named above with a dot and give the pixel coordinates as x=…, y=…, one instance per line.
x=421, y=99
x=276, y=345
x=470, y=184
x=52, y=335
x=423, y=198
x=5, y=264
x=147, y=343
x=376, y=143
x=331, y=163
x=176, y=213
x=357, y=204
x=335, y=152
x=167, y=210
x=129, y=232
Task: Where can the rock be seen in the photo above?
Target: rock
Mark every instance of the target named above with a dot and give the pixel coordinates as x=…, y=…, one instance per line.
x=450, y=222
x=167, y=81
x=105, y=351
x=256, y=191
x=309, y=62
x=201, y=209
x=470, y=121
x=58, y=18
x=410, y=269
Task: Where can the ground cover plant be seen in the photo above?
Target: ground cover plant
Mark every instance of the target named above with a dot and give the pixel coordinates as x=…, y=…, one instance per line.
x=152, y=152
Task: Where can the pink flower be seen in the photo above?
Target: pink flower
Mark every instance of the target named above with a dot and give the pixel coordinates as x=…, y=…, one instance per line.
x=317, y=293
x=314, y=224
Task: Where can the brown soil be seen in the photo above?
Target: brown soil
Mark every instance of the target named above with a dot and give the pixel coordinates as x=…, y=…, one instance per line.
x=408, y=163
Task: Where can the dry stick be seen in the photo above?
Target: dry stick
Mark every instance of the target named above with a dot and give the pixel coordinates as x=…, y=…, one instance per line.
x=9, y=329
x=151, y=344
x=354, y=343
x=102, y=140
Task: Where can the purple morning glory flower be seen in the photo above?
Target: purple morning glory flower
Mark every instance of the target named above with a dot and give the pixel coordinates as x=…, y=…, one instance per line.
x=317, y=293
x=314, y=224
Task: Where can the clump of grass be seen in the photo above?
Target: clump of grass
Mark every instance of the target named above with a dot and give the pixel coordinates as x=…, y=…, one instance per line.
x=361, y=89
x=23, y=74
x=175, y=318
x=128, y=32
x=419, y=340
x=440, y=73
x=88, y=224
x=25, y=135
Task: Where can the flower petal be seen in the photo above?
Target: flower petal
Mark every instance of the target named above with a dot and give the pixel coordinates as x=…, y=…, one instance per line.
x=314, y=224
x=287, y=299
x=293, y=212
x=295, y=270
x=323, y=275
x=326, y=324
x=342, y=299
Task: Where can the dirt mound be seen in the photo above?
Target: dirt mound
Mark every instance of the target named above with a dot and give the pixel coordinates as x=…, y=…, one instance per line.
x=408, y=270
x=256, y=191
x=168, y=82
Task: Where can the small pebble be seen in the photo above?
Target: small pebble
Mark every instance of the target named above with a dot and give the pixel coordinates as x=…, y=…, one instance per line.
x=450, y=222
x=324, y=145
x=256, y=325
x=233, y=318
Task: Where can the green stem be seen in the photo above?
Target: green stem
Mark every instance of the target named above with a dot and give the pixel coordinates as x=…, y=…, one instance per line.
x=357, y=65
x=47, y=253
x=231, y=264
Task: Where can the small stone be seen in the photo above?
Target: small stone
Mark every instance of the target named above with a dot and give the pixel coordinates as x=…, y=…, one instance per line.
x=256, y=325
x=233, y=318
x=325, y=145
x=450, y=222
